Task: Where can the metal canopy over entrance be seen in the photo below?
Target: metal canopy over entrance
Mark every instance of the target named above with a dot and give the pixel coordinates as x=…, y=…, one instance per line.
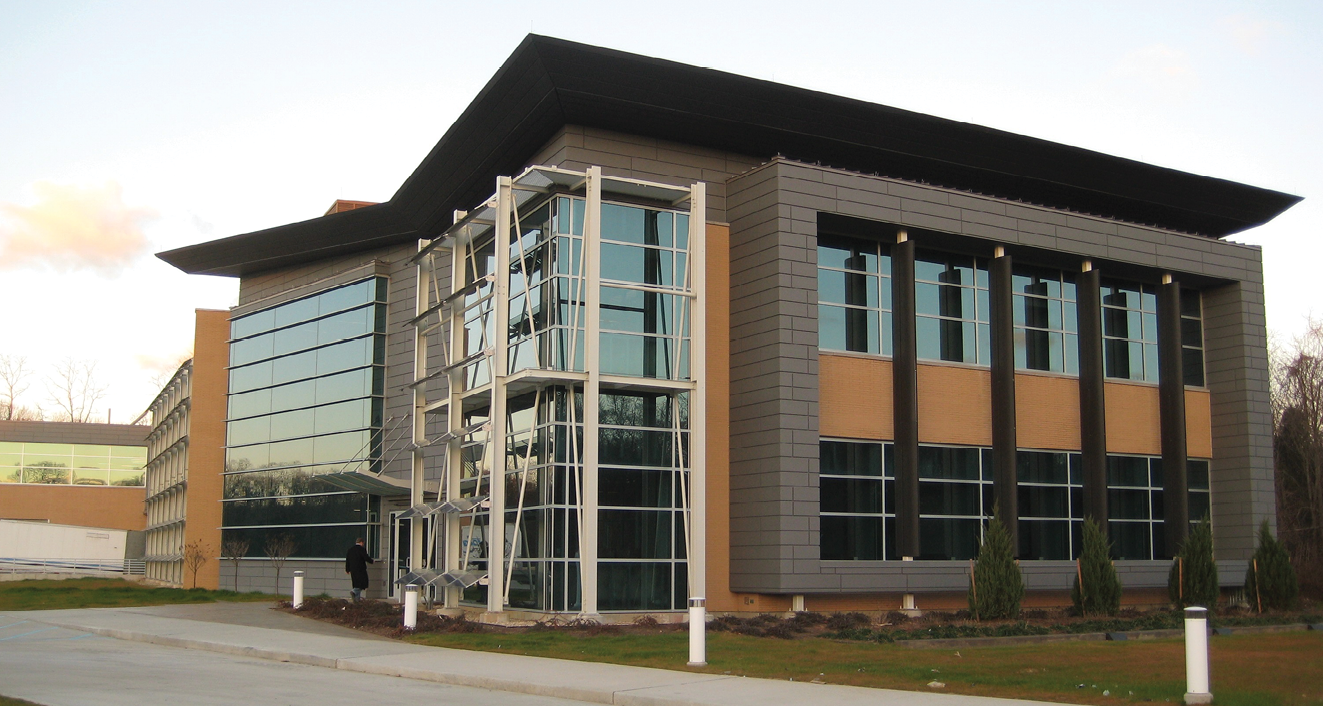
x=559, y=337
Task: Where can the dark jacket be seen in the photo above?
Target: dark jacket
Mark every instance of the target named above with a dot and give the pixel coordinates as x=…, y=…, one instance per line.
x=356, y=565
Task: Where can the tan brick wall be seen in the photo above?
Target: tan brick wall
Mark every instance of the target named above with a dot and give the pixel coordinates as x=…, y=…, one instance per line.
x=719, y=597
x=1047, y=412
x=1133, y=422
x=85, y=506
x=955, y=405
x=1198, y=424
x=854, y=397
x=206, y=440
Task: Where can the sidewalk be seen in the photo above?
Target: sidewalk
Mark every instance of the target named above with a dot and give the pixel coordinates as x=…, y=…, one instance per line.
x=254, y=630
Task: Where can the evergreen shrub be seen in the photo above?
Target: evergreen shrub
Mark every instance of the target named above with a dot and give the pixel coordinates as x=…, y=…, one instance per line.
x=1270, y=578
x=997, y=586
x=1193, y=576
x=1100, y=590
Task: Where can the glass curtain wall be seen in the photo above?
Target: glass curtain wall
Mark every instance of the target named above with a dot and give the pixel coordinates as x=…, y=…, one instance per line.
x=305, y=400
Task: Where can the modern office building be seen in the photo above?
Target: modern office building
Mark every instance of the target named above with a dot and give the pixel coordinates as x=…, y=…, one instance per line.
x=186, y=451
x=90, y=475
x=694, y=334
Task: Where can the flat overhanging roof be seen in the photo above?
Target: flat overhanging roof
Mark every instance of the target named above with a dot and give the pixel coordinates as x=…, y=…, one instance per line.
x=549, y=83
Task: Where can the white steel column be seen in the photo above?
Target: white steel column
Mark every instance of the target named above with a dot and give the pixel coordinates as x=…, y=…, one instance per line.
x=454, y=420
x=698, y=403
x=496, y=443
x=592, y=248
x=419, y=438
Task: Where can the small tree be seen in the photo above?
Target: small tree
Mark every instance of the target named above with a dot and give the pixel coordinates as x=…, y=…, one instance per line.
x=1193, y=576
x=1097, y=589
x=997, y=586
x=196, y=553
x=234, y=550
x=1270, y=581
x=278, y=549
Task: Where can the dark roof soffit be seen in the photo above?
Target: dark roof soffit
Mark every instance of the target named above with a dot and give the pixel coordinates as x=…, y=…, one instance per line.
x=548, y=83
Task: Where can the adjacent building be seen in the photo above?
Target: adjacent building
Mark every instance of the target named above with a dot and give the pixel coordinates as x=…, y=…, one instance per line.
x=636, y=332
x=186, y=451
x=89, y=475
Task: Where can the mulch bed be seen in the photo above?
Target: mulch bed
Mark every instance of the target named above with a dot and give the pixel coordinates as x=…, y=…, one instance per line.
x=385, y=619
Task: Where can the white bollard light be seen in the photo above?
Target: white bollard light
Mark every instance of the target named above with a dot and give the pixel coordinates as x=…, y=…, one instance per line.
x=697, y=632
x=1196, y=656
x=411, y=607
x=298, y=590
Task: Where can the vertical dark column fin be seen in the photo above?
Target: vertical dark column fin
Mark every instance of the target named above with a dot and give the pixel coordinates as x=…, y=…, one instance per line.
x=1003, y=395
x=1093, y=417
x=905, y=398
x=1171, y=397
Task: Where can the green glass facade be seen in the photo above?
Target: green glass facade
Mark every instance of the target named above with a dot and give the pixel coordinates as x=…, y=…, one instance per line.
x=306, y=384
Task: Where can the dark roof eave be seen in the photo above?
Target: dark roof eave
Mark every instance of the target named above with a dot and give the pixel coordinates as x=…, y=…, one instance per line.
x=548, y=83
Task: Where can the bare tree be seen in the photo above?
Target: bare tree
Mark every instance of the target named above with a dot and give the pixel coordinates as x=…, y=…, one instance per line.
x=196, y=553
x=234, y=550
x=74, y=389
x=278, y=549
x=1297, y=402
x=14, y=372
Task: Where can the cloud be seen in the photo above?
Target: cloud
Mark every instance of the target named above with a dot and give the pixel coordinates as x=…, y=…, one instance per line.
x=1157, y=67
x=1248, y=33
x=73, y=227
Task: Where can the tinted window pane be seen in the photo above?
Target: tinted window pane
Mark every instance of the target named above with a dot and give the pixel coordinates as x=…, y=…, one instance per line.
x=948, y=539
x=635, y=488
x=310, y=542
x=634, y=534
x=850, y=459
x=856, y=496
x=314, y=509
x=852, y=538
x=1045, y=540
x=949, y=463
x=635, y=586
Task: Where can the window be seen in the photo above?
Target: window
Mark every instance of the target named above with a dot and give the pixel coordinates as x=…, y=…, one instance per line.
x=1192, y=337
x=1134, y=507
x=955, y=499
x=645, y=323
x=72, y=464
x=1046, y=331
x=643, y=453
x=547, y=317
x=1051, y=504
x=1197, y=482
x=1130, y=331
x=858, y=511
x=952, y=308
x=854, y=295
x=305, y=400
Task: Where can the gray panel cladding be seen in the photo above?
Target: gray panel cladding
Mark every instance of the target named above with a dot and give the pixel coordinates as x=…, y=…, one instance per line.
x=1236, y=365
x=75, y=433
x=774, y=458
x=774, y=389
x=648, y=158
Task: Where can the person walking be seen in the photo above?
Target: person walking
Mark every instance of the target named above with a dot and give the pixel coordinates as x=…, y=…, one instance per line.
x=356, y=562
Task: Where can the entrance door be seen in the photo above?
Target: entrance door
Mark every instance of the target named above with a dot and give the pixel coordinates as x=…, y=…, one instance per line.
x=401, y=551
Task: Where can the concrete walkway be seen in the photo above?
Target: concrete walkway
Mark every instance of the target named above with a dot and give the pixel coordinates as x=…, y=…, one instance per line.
x=254, y=630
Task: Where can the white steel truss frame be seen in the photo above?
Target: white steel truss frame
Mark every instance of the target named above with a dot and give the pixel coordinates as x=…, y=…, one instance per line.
x=440, y=312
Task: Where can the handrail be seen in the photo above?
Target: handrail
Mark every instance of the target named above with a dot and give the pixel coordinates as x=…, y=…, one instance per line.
x=34, y=565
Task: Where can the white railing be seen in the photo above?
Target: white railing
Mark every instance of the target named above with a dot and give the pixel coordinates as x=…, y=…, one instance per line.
x=127, y=567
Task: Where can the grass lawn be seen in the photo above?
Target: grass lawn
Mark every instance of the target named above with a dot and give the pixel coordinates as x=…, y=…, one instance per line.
x=1282, y=668
x=39, y=594
x=6, y=701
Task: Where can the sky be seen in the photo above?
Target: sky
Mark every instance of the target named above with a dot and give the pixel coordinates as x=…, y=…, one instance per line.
x=131, y=128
